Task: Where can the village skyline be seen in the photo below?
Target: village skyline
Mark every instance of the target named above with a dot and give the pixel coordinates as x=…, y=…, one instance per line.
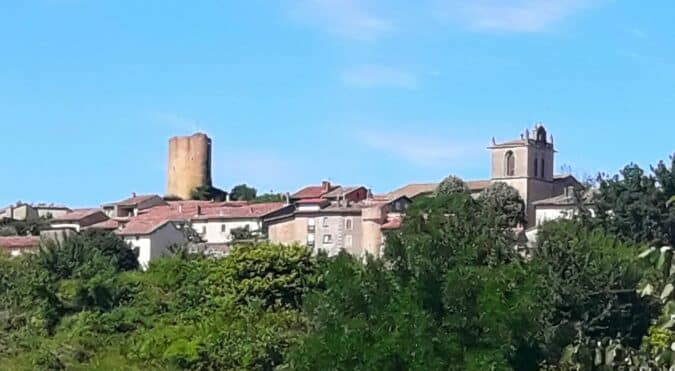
x=294, y=92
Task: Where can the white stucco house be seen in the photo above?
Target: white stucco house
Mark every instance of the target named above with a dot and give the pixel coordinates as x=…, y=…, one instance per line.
x=215, y=225
x=151, y=238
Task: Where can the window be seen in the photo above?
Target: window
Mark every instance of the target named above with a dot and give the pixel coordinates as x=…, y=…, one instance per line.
x=325, y=222
x=541, y=168
x=510, y=164
x=348, y=240
x=310, y=225
x=310, y=239
x=536, y=167
x=348, y=224
x=223, y=228
x=327, y=238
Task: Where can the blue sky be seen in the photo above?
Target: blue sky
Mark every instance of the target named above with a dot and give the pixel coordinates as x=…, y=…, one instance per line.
x=381, y=92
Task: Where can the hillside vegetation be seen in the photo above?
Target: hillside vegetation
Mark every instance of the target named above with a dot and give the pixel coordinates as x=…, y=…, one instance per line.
x=450, y=293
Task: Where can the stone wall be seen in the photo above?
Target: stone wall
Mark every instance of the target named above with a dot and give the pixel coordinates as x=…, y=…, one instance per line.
x=189, y=164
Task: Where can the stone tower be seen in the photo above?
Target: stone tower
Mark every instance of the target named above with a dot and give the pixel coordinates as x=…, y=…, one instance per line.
x=189, y=164
x=526, y=164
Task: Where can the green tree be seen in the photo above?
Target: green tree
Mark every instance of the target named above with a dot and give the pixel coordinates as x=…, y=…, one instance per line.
x=505, y=202
x=278, y=276
x=242, y=192
x=451, y=184
x=208, y=193
x=450, y=293
x=633, y=205
x=590, y=292
x=269, y=197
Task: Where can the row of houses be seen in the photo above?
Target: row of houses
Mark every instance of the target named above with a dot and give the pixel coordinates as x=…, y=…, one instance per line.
x=324, y=216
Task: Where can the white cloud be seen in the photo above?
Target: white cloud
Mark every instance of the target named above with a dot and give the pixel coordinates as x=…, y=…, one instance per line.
x=420, y=150
x=511, y=15
x=346, y=18
x=371, y=76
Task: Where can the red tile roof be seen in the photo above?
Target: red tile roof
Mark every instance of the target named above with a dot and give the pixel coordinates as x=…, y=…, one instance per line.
x=110, y=224
x=204, y=210
x=240, y=212
x=19, y=242
x=423, y=189
x=76, y=215
x=477, y=185
x=342, y=191
x=132, y=201
x=309, y=192
x=141, y=226
x=392, y=224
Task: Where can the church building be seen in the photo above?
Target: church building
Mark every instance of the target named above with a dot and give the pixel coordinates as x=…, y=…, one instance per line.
x=527, y=164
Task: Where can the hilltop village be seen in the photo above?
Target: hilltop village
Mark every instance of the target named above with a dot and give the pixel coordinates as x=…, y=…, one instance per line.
x=323, y=216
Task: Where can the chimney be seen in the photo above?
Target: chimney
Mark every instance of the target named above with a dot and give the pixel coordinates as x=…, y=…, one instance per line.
x=287, y=198
x=133, y=194
x=199, y=210
x=180, y=209
x=325, y=186
x=227, y=197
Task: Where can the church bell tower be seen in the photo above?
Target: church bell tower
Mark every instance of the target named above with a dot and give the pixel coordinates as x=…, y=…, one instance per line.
x=526, y=164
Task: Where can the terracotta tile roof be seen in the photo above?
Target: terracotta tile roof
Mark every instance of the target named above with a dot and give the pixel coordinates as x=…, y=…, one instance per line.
x=339, y=191
x=110, y=224
x=392, y=224
x=477, y=185
x=422, y=189
x=132, y=201
x=141, y=226
x=19, y=242
x=413, y=190
x=309, y=192
x=241, y=212
x=76, y=215
x=185, y=210
x=156, y=217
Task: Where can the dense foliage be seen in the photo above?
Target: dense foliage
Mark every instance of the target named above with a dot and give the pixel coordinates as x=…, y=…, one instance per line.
x=634, y=205
x=10, y=227
x=597, y=292
x=451, y=184
x=79, y=306
x=207, y=193
x=506, y=203
x=242, y=192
